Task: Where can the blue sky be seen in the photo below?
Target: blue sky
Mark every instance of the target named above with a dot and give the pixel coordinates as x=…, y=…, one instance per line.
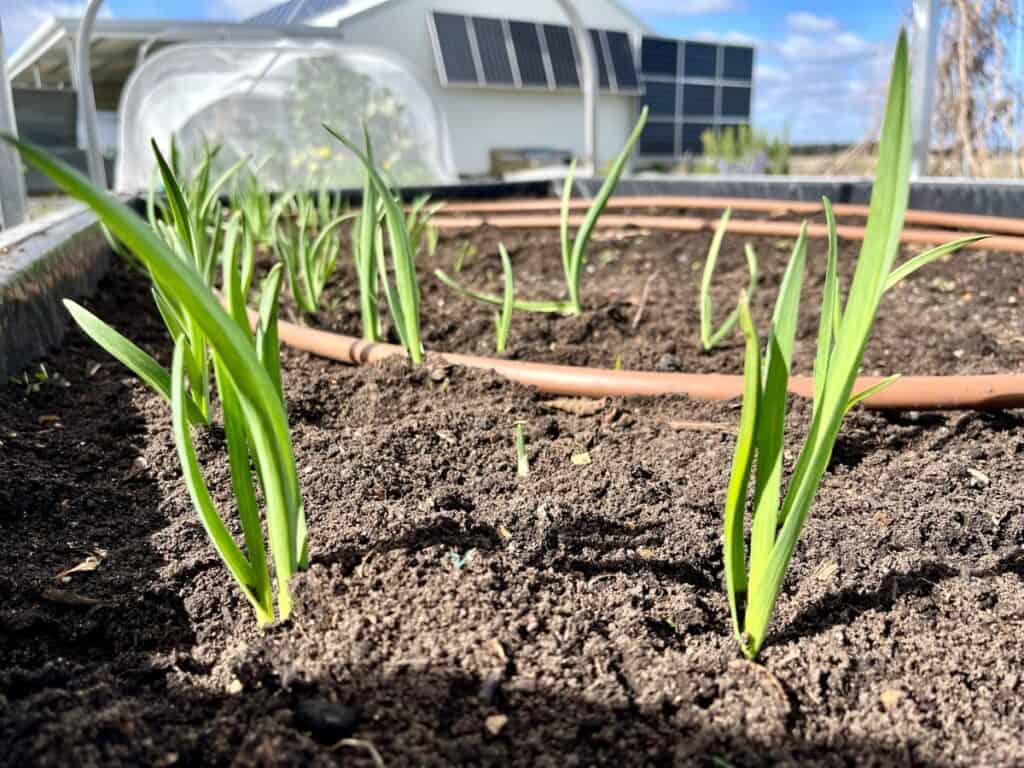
x=821, y=66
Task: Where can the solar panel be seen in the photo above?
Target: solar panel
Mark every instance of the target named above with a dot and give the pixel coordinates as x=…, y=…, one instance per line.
x=700, y=60
x=623, y=63
x=659, y=57
x=658, y=139
x=490, y=42
x=602, y=65
x=698, y=100
x=661, y=98
x=563, y=59
x=735, y=102
x=455, y=49
x=526, y=44
x=738, y=63
x=692, y=87
x=690, y=138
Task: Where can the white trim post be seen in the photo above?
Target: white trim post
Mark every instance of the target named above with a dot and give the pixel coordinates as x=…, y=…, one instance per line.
x=588, y=59
x=86, y=98
x=924, y=43
x=12, y=180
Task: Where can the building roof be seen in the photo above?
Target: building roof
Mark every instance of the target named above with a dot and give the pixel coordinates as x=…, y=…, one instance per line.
x=295, y=11
x=302, y=11
x=118, y=45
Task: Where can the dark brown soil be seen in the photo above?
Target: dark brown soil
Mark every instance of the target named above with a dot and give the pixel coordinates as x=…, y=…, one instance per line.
x=960, y=315
x=456, y=614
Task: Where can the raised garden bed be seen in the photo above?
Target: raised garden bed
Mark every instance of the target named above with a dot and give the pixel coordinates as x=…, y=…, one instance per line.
x=455, y=613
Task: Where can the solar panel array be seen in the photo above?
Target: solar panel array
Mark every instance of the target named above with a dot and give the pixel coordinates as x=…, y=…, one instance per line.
x=690, y=87
x=503, y=53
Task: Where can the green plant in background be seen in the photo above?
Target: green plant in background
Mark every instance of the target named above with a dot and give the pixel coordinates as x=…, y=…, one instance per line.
x=248, y=381
x=503, y=319
x=190, y=224
x=417, y=221
x=573, y=249
x=257, y=206
x=403, y=297
x=753, y=582
x=739, y=149
x=709, y=337
x=367, y=243
x=308, y=251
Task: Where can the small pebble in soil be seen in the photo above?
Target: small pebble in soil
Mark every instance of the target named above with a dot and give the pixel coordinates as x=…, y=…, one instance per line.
x=495, y=724
x=668, y=363
x=326, y=721
x=978, y=479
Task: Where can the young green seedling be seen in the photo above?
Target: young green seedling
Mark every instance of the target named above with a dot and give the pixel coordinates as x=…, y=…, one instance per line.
x=367, y=243
x=417, y=221
x=255, y=421
x=573, y=248
x=753, y=580
x=709, y=337
x=309, y=260
x=404, y=296
x=503, y=319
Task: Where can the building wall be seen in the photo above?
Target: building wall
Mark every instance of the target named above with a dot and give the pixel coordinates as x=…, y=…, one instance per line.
x=481, y=119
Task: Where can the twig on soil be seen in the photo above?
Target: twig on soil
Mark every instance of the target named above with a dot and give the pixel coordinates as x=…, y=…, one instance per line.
x=62, y=597
x=643, y=300
x=361, y=744
x=703, y=426
x=578, y=406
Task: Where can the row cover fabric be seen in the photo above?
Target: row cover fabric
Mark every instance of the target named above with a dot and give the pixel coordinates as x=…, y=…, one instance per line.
x=268, y=101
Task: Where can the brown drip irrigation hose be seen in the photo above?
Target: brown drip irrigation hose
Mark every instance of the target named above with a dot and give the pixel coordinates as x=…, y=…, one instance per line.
x=962, y=221
x=1004, y=243
x=911, y=393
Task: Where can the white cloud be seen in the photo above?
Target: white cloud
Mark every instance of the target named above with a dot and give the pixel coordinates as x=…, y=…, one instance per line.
x=808, y=23
x=24, y=16
x=765, y=74
x=732, y=36
x=839, y=47
x=685, y=7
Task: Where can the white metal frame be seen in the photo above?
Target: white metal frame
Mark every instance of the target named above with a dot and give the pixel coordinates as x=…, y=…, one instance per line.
x=12, y=181
x=86, y=98
x=924, y=42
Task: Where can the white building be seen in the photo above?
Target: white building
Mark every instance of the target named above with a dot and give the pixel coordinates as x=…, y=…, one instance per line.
x=481, y=117
x=504, y=77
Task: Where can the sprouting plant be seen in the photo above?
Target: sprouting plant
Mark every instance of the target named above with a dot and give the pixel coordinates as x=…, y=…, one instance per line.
x=753, y=580
x=39, y=378
x=467, y=250
x=403, y=297
x=708, y=337
x=249, y=387
x=308, y=256
x=256, y=205
x=461, y=561
x=190, y=223
x=573, y=248
x=417, y=221
x=522, y=460
x=367, y=242
x=328, y=207
x=503, y=319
